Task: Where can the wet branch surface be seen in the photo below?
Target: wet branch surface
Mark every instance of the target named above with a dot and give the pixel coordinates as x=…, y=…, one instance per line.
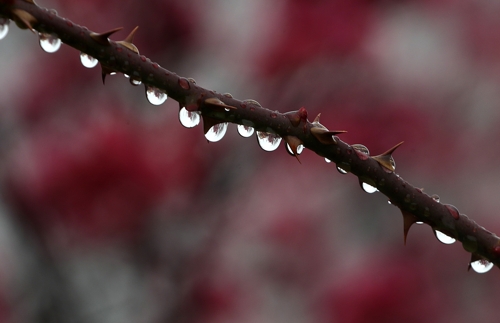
x=294, y=127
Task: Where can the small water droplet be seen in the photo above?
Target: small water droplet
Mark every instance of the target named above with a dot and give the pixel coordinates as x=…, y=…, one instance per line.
x=88, y=61
x=389, y=202
x=419, y=222
x=435, y=197
x=245, y=131
x=268, y=141
x=453, y=211
x=481, y=266
x=189, y=119
x=341, y=170
x=368, y=188
x=155, y=96
x=328, y=160
x=443, y=238
x=4, y=27
x=228, y=95
x=49, y=43
x=217, y=132
x=135, y=82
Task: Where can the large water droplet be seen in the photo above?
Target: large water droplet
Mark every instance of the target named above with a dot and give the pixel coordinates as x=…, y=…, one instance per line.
x=49, y=43
x=155, y=96
x=4, y=27
x=368, y=188
x=245, y=131
x=189, y=119
x=300, y=148
x=268, y=141
x=443, y=237
x=217, y=132
x=481, y=266
x=88, y=61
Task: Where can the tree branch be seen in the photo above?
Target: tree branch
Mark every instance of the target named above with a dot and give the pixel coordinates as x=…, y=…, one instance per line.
x=294, y=126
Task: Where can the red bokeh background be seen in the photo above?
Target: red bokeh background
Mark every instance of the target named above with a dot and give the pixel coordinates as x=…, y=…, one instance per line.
x=111, y=211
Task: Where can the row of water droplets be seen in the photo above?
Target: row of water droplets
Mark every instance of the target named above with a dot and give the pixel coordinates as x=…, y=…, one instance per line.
x=49, y=43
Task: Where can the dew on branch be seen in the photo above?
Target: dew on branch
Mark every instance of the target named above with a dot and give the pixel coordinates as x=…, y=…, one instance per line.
x=49, y=43
x=245, y=131
x=435, y=197
x=189, y=119
x=4, y=27
x=155, y=96
x=135, y=82
x=216, y=132
x=344, y=169
x=328, y=161
x=368, y=188
x=268, y=141
x=453, y=211
x=88, y=61
x=300, y=148
x=443, y=238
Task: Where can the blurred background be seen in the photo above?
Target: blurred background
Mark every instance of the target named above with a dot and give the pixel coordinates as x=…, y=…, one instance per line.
x=111, y=211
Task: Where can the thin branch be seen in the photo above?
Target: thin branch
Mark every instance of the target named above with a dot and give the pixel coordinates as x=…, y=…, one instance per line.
x=294, y=126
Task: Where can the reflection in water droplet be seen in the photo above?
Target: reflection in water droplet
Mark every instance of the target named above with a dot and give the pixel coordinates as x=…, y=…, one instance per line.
x=419, y=222
x=341, y=170
x=368, y=188
x=217, y=132
x=189, y=119
x=4, y=27
x=245, y=131
x=88, y=61
x=481, y=266
x=328, y=160
x=135, y=82
x=49, y=43
x=443, y=237
x=155, y=96
x=268, y=141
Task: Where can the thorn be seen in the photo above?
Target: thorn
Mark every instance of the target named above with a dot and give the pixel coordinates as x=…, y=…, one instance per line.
x=23, y=19
x=105, y=71
x=316, y=120
x=325, y=136
x=209, y=123
x=216, y=103
x=293, y=142
x=102, y=38
x=386, y=160
x=127, y=42
x=296, y=117
x=408, y=220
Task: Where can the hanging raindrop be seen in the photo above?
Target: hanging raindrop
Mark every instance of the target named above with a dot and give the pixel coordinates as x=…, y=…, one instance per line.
x=368, y=188
x=300, y=148
x=88, y=61
x=245, y=131
x=49, y=43
x=155, y=96
x=189, y=119
x=217, y=132
x=4, y=27
x=135, y=82
x=328, y=161
x=443, y=238
x=268, y=141
x=481, y=266
x=341, y=170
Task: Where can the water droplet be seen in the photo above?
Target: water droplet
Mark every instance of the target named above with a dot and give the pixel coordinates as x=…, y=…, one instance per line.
x=245, y=131
x=217, y=132
x=435, y=197
x=328, y=160
x=88, y=61
x=389, y=202
x=189, y=119
x=368, y=188
x=155, y=96
x=49, y=43
x=300, y=148
x=341, y=170
x=135, y=82
x=419, y=222
x=268, y=141
x=481, y=266
x=4, y=27
x=443, y=238
x=453, y=211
